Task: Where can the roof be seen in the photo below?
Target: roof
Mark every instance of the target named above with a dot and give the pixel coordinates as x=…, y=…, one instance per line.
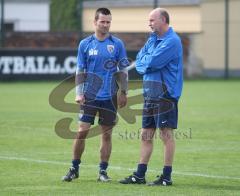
x=137, y=3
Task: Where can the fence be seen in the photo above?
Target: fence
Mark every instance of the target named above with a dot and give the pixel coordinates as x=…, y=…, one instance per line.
x=42, y=64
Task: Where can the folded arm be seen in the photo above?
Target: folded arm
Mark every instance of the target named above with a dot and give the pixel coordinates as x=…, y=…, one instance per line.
x=160, y=57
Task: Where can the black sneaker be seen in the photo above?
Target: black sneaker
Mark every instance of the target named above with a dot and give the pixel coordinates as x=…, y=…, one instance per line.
x=72, y=174
x=160, y=181
x=103, y=177
x=133, y=179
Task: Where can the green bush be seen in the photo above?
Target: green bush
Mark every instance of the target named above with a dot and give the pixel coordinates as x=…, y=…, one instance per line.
x=65, y=15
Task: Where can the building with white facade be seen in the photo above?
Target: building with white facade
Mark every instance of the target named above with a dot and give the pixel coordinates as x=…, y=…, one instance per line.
x=27, y=15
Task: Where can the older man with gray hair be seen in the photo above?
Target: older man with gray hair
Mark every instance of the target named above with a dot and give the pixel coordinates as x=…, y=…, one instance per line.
x=160, y=62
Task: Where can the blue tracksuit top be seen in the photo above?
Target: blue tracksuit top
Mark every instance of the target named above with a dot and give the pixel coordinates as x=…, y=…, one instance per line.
x=101, y=60
x=161, y=61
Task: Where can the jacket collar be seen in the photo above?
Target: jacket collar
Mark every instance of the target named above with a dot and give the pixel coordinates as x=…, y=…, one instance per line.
x=154, y=35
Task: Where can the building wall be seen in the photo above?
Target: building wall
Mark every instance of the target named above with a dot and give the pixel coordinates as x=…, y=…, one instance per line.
x=213, y=34
x=204, y=27
x=234, y=42
x=203, y=24
x=184, y=19
x=211, y=43
x=28, y=15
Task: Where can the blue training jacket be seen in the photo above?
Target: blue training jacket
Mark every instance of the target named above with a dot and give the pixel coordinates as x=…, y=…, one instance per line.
x=161, y=62
x=101, y=60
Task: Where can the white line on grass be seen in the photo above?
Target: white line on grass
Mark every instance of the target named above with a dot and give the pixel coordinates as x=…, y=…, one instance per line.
x=114, y=167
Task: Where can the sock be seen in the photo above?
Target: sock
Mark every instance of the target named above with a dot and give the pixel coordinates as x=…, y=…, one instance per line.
x=141, y=170
x=103, y=165
x=75, y=163
x=167, y=170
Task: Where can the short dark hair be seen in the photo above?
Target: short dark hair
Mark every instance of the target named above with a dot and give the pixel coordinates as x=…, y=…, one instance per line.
x=165, y=14
x=102, y=10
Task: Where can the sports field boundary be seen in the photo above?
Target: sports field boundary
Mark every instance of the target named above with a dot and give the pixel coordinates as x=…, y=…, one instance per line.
x=114, y=167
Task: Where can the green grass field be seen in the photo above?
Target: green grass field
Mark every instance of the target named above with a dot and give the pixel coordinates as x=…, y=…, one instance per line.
x=33, y=158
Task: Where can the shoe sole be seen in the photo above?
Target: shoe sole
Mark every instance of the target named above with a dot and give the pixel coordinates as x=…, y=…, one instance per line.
x=150, y=184
x=99, y=180
x=68, y=180
x=132, y=182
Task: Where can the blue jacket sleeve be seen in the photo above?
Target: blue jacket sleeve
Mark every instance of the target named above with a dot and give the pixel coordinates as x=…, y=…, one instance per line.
x=81, y=59
x=159, y=58
x=140, y=67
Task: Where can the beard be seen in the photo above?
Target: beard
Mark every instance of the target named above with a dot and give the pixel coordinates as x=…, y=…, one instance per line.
x=104, y=31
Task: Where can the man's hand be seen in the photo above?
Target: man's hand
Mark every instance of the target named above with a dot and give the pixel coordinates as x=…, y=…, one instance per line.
x=80, y=99
x=122, y=100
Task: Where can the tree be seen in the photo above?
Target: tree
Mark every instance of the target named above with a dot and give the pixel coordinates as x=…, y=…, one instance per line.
x=65, y=15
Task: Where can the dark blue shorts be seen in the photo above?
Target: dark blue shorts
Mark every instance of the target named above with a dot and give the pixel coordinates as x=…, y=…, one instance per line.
x=106, y=109
x=162, y=113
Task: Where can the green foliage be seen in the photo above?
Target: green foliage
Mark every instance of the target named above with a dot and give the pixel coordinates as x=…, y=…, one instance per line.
x=65, y=15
